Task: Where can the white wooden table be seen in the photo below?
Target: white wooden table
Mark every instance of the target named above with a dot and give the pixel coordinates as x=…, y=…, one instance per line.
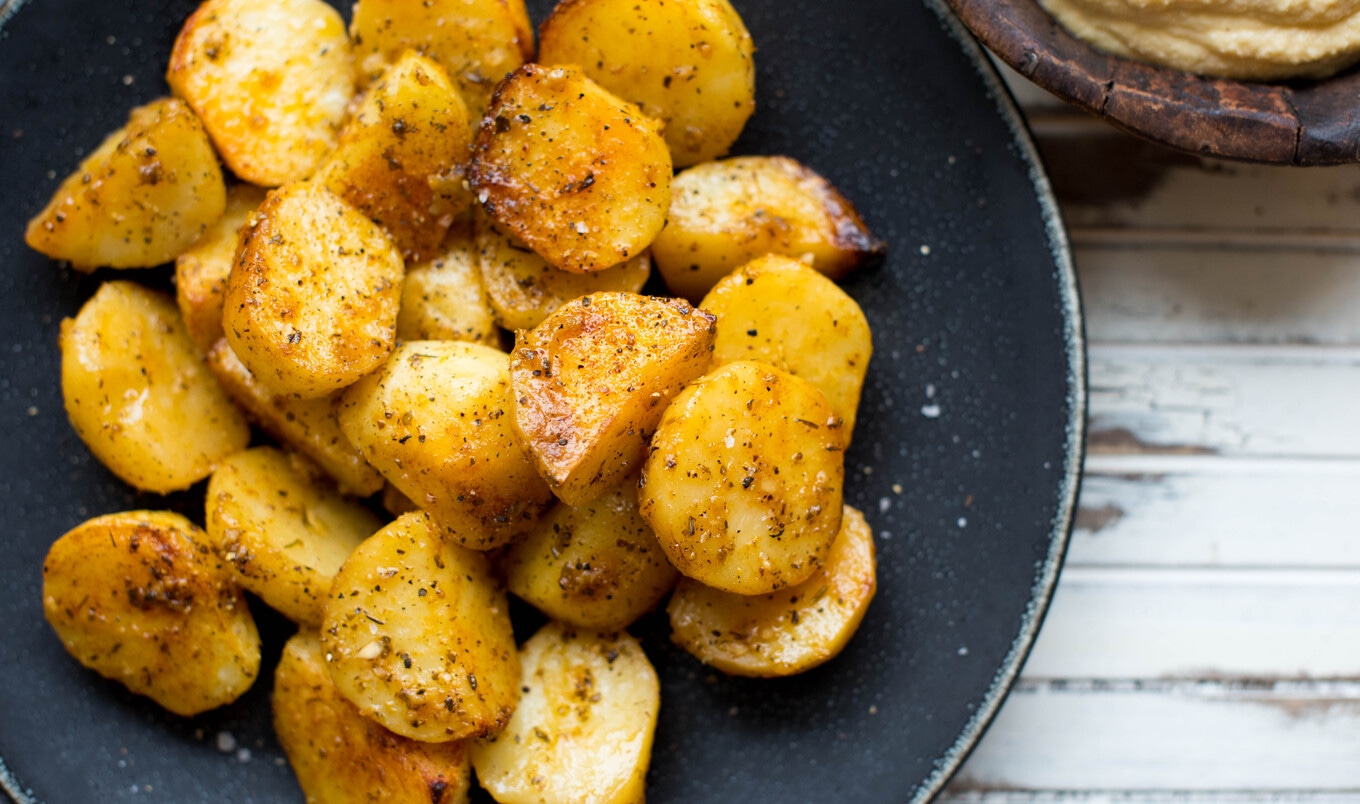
x=1204, y=640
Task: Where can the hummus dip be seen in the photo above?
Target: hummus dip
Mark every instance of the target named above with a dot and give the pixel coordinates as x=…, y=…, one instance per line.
x=1260, y=40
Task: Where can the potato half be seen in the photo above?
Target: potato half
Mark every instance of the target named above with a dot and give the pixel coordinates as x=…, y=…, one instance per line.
x=272, y=80
x=444, y=299
x=789, y=631
x=284, y=529
x=312, y=300
x=138, y=394
x=140, y=199
x=201, y=272
x=580, y=176
x=583, y=730
x=141, y=598
x=417, y=635
x=743, y=484
x=342, y=757
x=687, y=63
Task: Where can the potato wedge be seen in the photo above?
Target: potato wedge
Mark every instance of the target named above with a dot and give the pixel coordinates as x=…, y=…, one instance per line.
x=402, y=156
x=284, y=529
x=580, y=176
x=595, y=566
x=435, y=421
x=780, y=311
x=444, y=299
x=342, y=757
x=687, y=63
x=583, y=730
x=591, y=382
x=524, y=289
x=201, y=272
x=140, y=598
x=789, y=631
x=418, y=635
x=311, y=303
x=309, y=426
x=137, y=392
x=728, y=213
x=477, y=41
x=140, y=199
x=272, y=81
x=744, y=481
x=396, y=503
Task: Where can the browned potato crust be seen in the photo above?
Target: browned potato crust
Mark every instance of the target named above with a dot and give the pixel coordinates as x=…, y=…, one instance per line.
x=145, y=194
x=140, y=598
x=789, y=631
x=137, y=392
x=272, y=80
x=687, y=63
x=312, y=300
x=591, y=382
x=201, y=272
x=445, y=300
x=580, y=176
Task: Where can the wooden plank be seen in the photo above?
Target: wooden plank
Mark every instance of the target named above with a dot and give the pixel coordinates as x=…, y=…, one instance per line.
x=1199, y=736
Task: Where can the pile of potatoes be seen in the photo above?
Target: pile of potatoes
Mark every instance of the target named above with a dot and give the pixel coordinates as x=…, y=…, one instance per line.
x=402, y=195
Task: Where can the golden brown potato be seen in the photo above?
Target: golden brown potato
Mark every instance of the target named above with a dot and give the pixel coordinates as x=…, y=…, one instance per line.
x=687, y=63
x=145, y=194
x=524, y=289
x=312, y=300
x=140, y=598
x=402, y=157
x=342, y=757
x=597, y=566
x=137, y=392
x=789, y=631
x=780, y=311
x=444, y=299
x=580, y=176
x=583, y=730
x=591, y=382
x=744, y=481
x=418, y=635
x=284, y=529
x=396, y=503
x=201, y=272
x=310, y=426
x=272, y=81
x=477, y=41
x=436, y=422
x=728, y=213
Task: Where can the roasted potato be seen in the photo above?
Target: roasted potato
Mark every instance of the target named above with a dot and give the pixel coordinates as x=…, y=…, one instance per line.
x=284, y=529
x=591, y=382
x=417, y=635
x=342, y=757
x=743, y=484
x=780, y=311
x=789, y=631
x=137, y=392
x=444, y=299
x=477, y=41
x=687, y=63
x=402, y=156
x=311, y=303
x=436, y=422
x=580, y=176
x=140, y=598
x=583, y=729
x=143, y=197
x=201, y=272
x=595, y=566
x=727, y=213
x=524, y=289
x=272, y=81
x=309, y=426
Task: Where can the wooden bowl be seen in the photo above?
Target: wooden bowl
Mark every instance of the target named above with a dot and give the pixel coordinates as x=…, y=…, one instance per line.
x=1296, y=123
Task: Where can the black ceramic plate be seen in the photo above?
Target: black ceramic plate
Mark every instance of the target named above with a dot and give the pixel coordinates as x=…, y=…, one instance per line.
x=965, y=459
